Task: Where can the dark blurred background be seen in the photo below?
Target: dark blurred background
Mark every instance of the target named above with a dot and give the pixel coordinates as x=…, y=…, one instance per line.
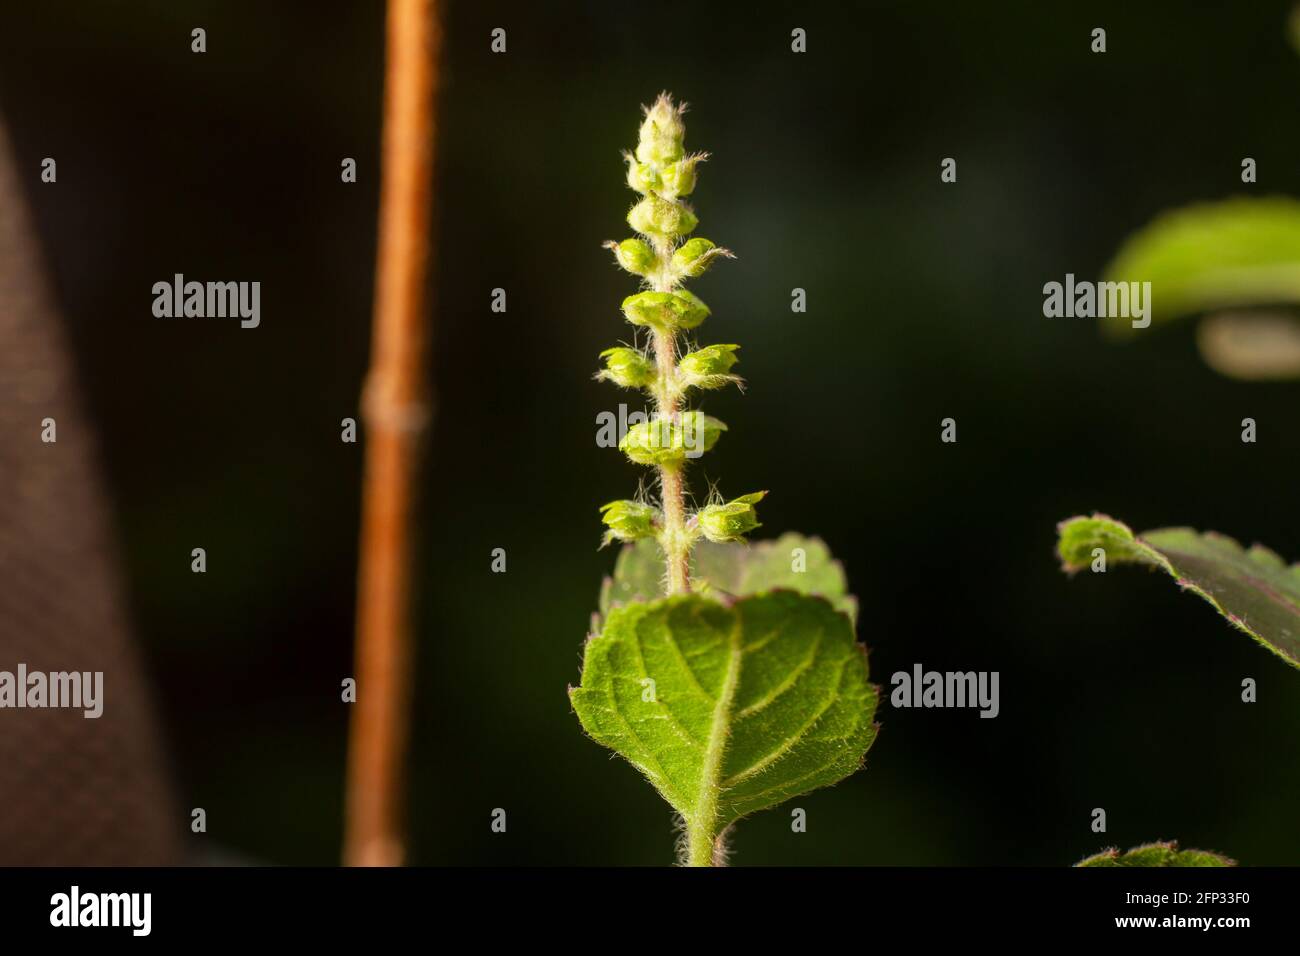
x=924, y=301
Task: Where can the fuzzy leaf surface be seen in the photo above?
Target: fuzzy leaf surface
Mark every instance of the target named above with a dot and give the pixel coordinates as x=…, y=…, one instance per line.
x=1157, y=854
x=752, y=703
x=1252, y=587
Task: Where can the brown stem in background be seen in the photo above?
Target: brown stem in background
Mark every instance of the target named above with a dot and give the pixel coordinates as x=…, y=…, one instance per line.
x=395, y=408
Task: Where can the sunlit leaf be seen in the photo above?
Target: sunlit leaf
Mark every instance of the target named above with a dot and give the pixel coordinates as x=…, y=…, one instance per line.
x=1212, y=256
x=729, y=708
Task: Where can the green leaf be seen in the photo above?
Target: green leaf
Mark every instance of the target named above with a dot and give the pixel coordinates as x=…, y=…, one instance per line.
x=1157, y=854
x=732, y=569
x=729, y=709
x=1215, y=255
x=1253, y=588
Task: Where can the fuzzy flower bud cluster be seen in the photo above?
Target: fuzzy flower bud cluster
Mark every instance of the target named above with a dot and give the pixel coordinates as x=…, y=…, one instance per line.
x=663, y=256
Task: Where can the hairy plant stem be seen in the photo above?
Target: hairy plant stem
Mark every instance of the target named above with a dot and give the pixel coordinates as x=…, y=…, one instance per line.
x=699, y=846
x=674, y=540
x=703, y=848
x=676, y=543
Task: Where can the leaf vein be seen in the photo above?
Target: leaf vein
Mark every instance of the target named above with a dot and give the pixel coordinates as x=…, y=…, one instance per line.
x=790, y=742
x=695, y=681
x=785, y=685
x=676, y=724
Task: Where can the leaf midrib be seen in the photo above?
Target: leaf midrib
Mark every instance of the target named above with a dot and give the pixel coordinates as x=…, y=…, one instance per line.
x=706, y=803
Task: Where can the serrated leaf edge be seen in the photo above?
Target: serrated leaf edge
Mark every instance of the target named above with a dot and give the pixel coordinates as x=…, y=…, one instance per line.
x=1150, y=555
x=716, y=745
x=1113, y=853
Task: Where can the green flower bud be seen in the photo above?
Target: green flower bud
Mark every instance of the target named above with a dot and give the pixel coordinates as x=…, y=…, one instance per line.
x=634, y=255
x=709, y=367
x=651, y=443
x=662, y=133
x=663, y=442
x=627, y=367
x=653, y=216
x=679, y=178
x=643, y=177
x=695, y=255
x=730, y=521
x=700, y=432
x=665, y=311
x=628, y=521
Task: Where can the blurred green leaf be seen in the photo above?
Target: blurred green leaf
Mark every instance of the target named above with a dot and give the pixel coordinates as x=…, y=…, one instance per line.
x=1210, y=255
x=1253, y=588
x=732, y=569
x=729, y=709
x=1215, y=255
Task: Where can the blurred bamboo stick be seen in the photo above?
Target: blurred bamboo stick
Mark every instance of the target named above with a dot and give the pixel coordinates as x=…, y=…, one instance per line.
x=395, y=408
